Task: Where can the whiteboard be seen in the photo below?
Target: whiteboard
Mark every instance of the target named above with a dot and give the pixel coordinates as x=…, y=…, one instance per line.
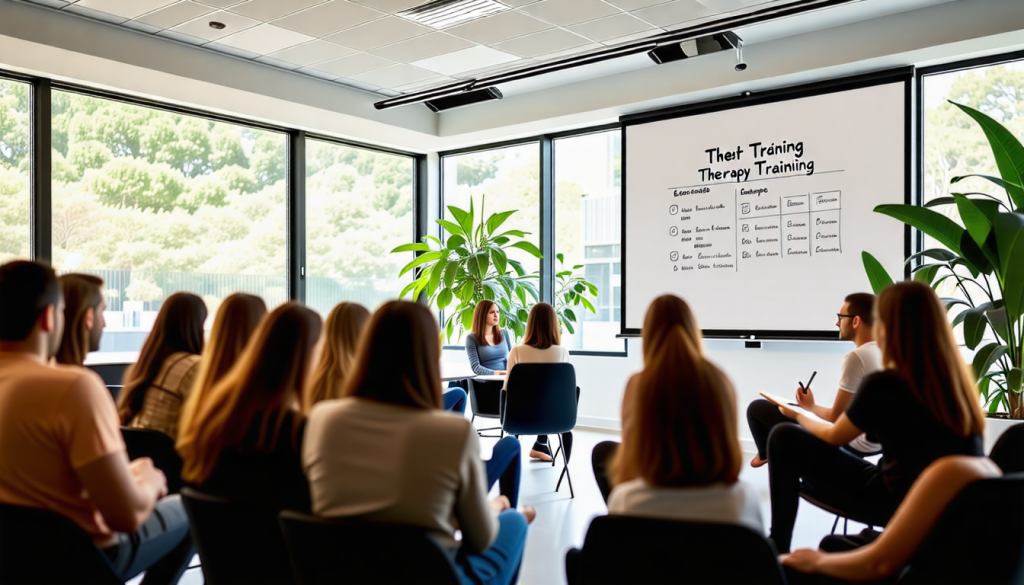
x=757, y=215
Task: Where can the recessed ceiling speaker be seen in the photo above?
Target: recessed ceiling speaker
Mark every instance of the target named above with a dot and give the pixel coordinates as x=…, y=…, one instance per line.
x=464, y=99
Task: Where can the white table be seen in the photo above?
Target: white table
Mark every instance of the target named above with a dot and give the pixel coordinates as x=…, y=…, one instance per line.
x=453, y=371
x=491, y=378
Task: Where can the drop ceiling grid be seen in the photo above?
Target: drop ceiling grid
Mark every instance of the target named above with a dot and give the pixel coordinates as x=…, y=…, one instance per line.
x=388, y=54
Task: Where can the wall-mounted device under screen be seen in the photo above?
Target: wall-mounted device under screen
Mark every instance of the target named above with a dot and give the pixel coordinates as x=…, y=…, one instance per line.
x=756, y=210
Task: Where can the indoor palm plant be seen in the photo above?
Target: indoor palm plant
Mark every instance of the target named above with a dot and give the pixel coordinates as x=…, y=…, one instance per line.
x=473, y=264
x=984, y=260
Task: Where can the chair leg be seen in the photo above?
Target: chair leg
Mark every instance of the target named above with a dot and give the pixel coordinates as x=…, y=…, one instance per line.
x=846, y=526
x=473, y=417
x=565, y=470
x=835, y=524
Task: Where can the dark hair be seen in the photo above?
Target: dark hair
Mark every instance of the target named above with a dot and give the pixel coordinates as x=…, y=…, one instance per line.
x=26, y=289
x=399, y=357
x=82, y=293
x=542, y=328
x=480, y=323
x=178, y=327
x=862, y=305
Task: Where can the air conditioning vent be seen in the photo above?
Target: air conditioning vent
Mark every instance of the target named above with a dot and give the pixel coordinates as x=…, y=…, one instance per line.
x=441, y=14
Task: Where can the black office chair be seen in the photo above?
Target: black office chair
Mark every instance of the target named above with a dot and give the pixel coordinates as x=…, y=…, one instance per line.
x=485, y=402
x=237, y=543
x=42, y=547
x=326, y=551
x=1008, y=452
x=978, y=540
x=620, y=550
x=158, y=447
x=541, y=400
x=870, y=518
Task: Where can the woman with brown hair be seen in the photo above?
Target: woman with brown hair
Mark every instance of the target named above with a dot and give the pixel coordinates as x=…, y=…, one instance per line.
x=158, y=384
x=541, y=345
x=245, y=440
x=487, y=348
x=343, y=329
x=233, y=326
x=386, y=452
x=924, y=405
x=83, y=317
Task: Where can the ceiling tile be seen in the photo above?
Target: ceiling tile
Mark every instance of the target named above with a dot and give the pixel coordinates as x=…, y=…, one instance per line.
x=175, y=14
x=141, y=26
x=377, y=33
x=357, y=84
x=265, y=39
x=390, y=6
x=425, y=84
x=581, y=50
x=328, y=18
x=353, y=64
x=476, y=57
x=422, y=47
x=276, y=63
x=610, y=27
x=221, y=3
x=317, y=73
x=566, y=12
x=674, y=12
x=94, y=14
x=632, y=5
x=200, y=27
x=730, y=5
x=182, y=38
x=125, y=8
x=632, y=37
x=542, y=43
x=500, y=27
x=51, y=3
x=313, y=52
x=267, y=10
x=487, y=71
x=518, y=3
x=234, y=51
x=394, y=75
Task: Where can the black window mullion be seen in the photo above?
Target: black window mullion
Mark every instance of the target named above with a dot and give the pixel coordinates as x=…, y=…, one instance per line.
x=421, y=206
x=297, y=216
x=41, y=214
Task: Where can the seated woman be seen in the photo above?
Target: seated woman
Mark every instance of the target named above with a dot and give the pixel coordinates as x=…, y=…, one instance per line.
x=924, y=405
x=541, y=345
x=245, y=440
x=665, y=314
x=83, y=317
x=233, y=326
x=487, y=347
x=343, y=328
x=887, y=555
x=158, y=384
x=386, y=452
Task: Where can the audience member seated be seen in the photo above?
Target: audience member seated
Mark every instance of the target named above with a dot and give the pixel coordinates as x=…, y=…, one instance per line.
x=541, y=345
x=923, y=406
x=158, y=384
x=245, y=440
x=855, y=324
x=386, y=452
x=665, y=314
x=236, y=320
x=886, y=556
x=342, y=331
x=487, y=348
x=61, y=447
x=83, y=317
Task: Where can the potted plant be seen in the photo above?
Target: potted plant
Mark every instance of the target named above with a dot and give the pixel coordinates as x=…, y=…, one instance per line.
x=473, y=264
x=984, y=262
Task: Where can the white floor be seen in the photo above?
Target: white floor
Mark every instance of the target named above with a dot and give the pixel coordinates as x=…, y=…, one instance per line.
x=562, y=521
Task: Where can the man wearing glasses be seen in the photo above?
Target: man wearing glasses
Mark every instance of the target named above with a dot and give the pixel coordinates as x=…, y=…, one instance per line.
x=854, y=321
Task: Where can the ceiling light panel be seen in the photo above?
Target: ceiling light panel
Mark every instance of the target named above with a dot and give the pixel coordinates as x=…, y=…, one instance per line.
x=441, y=14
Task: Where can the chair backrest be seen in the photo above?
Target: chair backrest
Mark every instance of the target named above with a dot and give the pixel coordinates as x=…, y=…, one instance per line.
x=626, y=550
x=42, y=546
x=484, y=398
x=1008, y=452
x=237, y=543
x=979, y=539
x=158, y=447
x=541, y=399
x=347, y=551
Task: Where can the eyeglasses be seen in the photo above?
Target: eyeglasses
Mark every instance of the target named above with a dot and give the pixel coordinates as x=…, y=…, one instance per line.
x=840, y=316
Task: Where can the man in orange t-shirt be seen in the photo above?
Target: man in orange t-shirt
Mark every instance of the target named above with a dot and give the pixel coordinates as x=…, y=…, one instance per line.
x=60, y=441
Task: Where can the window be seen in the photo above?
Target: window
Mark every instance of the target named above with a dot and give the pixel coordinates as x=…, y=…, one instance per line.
x=588, y=212
x=358, y=209
x=15, y=143
x=156, y=202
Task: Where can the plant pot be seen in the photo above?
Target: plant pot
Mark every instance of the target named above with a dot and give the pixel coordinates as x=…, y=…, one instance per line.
x=995, y=426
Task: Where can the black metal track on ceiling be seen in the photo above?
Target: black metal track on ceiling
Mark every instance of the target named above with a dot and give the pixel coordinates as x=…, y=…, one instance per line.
x=640, y=46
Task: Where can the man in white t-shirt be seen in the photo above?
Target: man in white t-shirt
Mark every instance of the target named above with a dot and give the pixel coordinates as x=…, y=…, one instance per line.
x=854, y=322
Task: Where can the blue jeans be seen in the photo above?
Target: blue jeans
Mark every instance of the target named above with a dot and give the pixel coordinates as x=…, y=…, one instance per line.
x=455, y=399
x=162, y=546
x=504, y=467
x=499, y=564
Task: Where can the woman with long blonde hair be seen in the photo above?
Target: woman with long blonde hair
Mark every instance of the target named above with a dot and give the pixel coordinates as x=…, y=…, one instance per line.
x=245, y=440
x=342, y=331
x=233, y=326
x=83, y=317
x=922, y=406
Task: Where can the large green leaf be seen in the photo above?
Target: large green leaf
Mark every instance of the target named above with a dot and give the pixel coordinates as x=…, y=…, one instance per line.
x=463, y=218
x=444, y=298
x=940, y=254
x=497, y=219
x=987, y=356
x=974, y=255
x=1008, y=151
x=467, y=318
x=929, y=222
x=513, y=234
x=926, y=274
x=532, y=249
x=877, y=275
x=974, y=325
x=483, y=262
x=452, y=228
x=1015, y=379
x=421, y=260
x=408, y=288
x=570, y=315
x=450, y=272
x=590, y=307
x=1009, y=228
x=977, y=223
x=411, y=248
x=455, y=241
x=435, y=278
x=499, y=260
x=997, y=319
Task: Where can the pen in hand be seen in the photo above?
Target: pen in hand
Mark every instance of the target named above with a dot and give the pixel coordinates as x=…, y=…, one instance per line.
x=807, y=387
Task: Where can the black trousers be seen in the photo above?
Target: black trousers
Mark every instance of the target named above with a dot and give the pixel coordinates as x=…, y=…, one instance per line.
x=762, y=416
x=837, y=477
x=601, y=460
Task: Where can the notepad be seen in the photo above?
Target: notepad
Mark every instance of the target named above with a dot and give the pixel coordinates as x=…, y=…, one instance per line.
x=780, y=401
